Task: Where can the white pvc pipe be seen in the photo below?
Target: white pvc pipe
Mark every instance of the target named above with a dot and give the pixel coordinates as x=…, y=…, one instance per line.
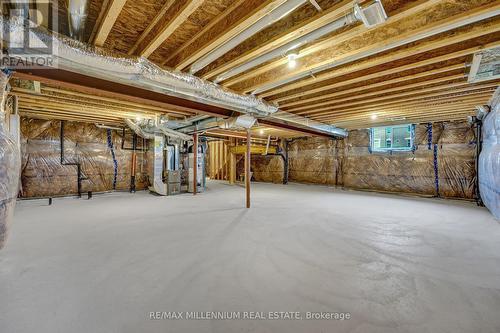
x=292, y=45
x=273, y=16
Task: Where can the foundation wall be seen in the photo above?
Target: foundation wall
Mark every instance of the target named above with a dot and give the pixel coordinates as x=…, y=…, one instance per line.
x=43, y=175
x=442, y=164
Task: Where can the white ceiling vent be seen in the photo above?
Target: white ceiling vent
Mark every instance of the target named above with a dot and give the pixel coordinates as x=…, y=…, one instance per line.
x=485, y=65
x=371, y=14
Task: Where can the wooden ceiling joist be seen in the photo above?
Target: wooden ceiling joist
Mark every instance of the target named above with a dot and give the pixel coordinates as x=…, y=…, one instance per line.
x=54, y=115
x=175, y=15
x=442, y=95
x=410, y=69
x=352, y=102
x=236, y=19
x=394, y=36
x=460, y=116
x=407, y=108
x=202, y=32
x=65, y=93
x=43, y=100
x=75, y=109
x=332, y=41
x=111, y=12
x=447, y=39
x=394, y=70
x=166, y=6
x=379, y=92
x=312, y=24
x=92, y=102
x=466, y=109
x=410, y=112
x=316, y=101
x=47, y=109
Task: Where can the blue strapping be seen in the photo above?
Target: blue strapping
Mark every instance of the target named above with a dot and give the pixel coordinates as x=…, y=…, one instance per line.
x=436, y=170
x=370, y=133
x=429, y=136
x=7, y=71
x=115, y=162
x=413, y=129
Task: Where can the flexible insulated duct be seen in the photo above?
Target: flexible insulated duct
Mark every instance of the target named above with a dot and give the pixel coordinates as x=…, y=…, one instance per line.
x=148, y=131
x=78, y=57
x=74, y=56
x=138, y=130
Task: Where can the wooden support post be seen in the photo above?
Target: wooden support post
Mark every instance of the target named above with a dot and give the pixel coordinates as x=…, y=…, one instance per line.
x=225, y=173
x=247, y=169
x=212, y=159
x=217, y=161
x=232, y=164
x=195, y=162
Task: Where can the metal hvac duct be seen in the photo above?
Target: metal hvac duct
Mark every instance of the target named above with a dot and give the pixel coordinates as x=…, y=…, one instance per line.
x=148, y=130
x=244, y=121
x=80, y=58
x=77, y=17
x=138, y=130
x=77, y=57
x=292, y=118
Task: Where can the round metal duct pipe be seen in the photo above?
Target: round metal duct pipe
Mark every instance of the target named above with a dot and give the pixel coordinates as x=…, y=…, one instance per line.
x=77, y=17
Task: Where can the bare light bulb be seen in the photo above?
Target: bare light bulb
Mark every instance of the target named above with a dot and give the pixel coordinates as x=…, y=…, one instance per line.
x=292, y=60
x=373, y=116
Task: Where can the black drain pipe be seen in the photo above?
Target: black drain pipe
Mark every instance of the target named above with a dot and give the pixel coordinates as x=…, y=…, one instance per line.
x=144, y=147
x=63, y=161
x=479, y=148
x=134, y=162
x=285, y=163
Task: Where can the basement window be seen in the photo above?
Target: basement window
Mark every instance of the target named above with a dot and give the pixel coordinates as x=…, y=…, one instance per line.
x=389, y=138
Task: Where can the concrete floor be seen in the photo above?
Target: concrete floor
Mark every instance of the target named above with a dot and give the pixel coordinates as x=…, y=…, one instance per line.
x=396, y=264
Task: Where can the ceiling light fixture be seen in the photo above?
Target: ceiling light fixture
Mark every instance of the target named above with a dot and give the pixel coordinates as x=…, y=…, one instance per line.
x=292, y=60
x=373, y=116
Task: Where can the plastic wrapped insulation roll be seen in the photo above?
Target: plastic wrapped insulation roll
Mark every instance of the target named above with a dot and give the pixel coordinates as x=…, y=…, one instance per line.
x=489, y=159
x=10, y=166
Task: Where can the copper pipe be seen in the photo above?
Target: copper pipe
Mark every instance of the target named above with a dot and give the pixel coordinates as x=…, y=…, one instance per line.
x=195, y=162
